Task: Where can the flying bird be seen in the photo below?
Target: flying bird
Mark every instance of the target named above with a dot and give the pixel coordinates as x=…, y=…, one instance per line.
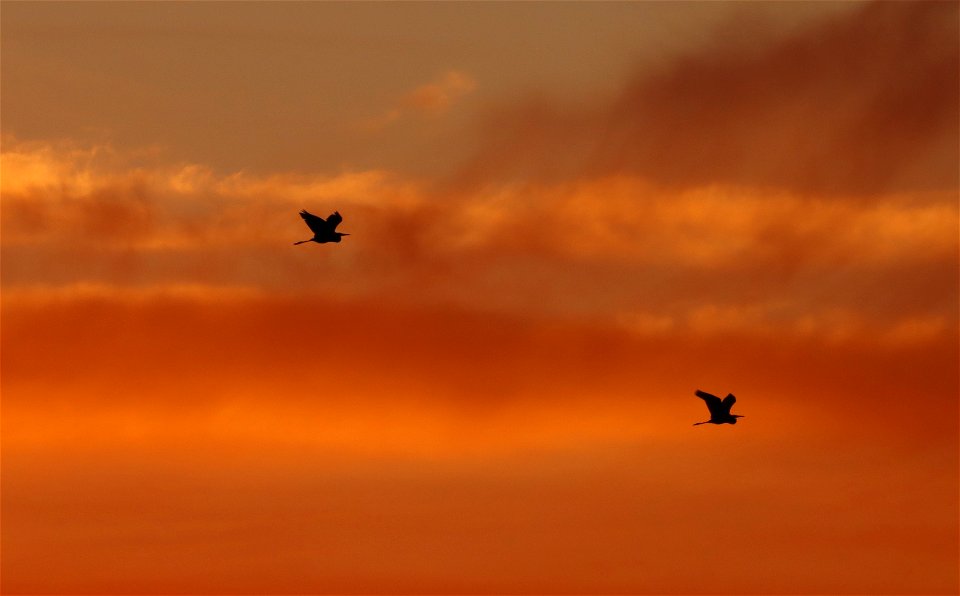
x=719, y=409
x=324, y=230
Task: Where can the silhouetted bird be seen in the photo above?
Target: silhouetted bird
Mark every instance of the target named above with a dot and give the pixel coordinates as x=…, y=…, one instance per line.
x=719, y=409
x=324, y=230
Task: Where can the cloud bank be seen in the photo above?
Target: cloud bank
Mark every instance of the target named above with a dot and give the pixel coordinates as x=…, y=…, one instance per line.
x=861, y=105
x=616, y=249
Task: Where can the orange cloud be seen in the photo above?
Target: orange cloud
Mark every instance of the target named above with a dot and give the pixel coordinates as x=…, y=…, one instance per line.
x=433, y=98
x=440, y=94
x=622, y=243
x=332, y=356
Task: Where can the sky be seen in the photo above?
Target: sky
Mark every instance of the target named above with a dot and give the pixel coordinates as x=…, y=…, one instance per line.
x=565, y=218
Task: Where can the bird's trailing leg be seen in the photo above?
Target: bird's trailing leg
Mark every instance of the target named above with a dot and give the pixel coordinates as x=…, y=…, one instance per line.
x=301, y=242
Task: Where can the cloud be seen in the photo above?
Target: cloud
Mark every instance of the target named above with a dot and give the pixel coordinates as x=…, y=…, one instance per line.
x=439, y=95
x=231, y=346
x=611, y=218
x=806, y=188
x=864, y=104
x=604, y=247
x=429, y=99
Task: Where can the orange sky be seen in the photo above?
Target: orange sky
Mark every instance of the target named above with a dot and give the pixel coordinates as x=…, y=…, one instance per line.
x=564, y=219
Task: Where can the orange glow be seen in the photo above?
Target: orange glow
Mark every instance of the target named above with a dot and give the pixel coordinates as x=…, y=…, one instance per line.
x=557, y=233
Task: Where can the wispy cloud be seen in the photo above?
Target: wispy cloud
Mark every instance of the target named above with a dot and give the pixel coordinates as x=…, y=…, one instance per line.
x=441, y=94
x=429, y=99
x=620, y=243
x=864, y=104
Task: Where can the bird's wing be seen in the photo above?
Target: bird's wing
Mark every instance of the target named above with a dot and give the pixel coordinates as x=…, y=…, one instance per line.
x=729, y=400
x=713, y=402
x=334, y=220
x=316, y=224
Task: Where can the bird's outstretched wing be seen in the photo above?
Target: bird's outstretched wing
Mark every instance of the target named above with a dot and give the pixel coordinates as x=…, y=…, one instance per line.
x=316, y=224
x=729, y=400
x=707, y=397
x=334, y=220
x=713, y=402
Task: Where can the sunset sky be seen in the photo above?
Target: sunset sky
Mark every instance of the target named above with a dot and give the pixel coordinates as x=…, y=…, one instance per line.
x=564, y=219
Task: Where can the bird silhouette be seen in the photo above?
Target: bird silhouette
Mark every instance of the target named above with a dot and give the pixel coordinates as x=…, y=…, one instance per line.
x=324, y=230
x=719, y=409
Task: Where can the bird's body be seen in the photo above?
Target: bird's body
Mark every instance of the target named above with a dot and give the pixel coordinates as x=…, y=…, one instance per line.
x=719, y=408
x=324, y=230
